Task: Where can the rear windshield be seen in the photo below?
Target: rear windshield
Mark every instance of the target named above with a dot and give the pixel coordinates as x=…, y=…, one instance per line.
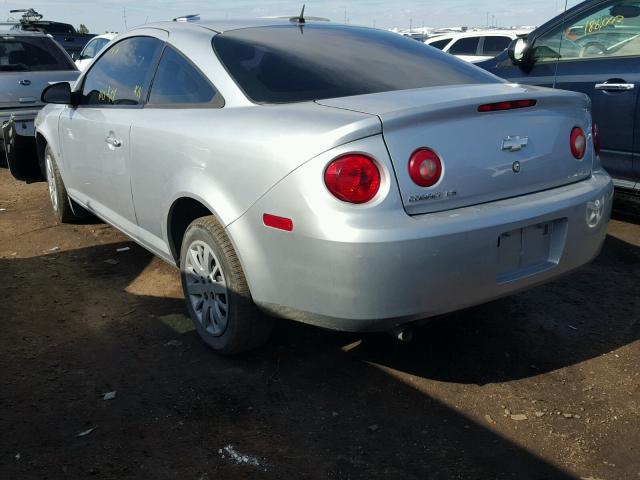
x=31, y=54
x=281, y=64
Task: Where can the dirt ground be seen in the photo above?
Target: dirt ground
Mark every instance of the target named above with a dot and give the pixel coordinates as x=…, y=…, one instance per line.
x=542, y=385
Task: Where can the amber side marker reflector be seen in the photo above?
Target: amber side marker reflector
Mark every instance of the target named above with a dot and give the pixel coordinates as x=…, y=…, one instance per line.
x=281, y=223
x=511, y=105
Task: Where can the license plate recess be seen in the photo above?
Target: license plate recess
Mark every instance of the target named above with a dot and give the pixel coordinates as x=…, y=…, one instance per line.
x=530, y=250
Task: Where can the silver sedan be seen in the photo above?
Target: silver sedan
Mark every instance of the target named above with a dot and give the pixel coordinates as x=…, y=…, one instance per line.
x=340, y=176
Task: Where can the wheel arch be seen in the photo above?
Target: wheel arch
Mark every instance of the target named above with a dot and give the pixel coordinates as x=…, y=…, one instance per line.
x=183, y=211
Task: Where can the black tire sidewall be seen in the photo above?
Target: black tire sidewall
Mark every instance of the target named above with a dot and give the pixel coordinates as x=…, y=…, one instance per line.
x=62, y=211
x=238, y=298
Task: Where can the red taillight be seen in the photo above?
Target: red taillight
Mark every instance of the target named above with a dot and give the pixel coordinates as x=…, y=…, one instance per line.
x=353, y=178
x=596, y=138
x=497, y=107
x=578, y=143
x=425, y=167
x=281, y=223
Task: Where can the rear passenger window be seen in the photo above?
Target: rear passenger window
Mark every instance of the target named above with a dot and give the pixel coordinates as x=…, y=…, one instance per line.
x=495, y=45
x=178, y=82
x=440, y=44
x=465, y=46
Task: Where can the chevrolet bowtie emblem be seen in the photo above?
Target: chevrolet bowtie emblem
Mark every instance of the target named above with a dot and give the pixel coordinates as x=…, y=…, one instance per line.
x=514, y=144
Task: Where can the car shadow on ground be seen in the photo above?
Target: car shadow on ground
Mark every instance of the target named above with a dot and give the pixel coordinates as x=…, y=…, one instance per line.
x=311, y=404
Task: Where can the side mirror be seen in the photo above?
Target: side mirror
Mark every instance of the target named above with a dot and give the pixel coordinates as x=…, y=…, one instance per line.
x=517, y=50
x=59, y=93
x=74, y=56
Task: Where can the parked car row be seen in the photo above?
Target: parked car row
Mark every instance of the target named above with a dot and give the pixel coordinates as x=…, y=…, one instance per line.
x=63, y=33
x=33, y=54
x=29, y=62
x=476, y=47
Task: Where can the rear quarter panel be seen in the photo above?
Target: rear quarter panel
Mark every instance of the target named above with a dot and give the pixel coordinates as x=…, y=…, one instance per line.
x=227, y=158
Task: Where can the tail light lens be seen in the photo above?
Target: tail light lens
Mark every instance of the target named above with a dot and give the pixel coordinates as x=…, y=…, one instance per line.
x=596, y=138
x=353, y=178
x=425, y=167
x=578, y=143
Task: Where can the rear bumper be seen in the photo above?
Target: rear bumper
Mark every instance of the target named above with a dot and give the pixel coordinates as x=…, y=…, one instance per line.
x=403, y=268
x=23, y=123
x=19, y=115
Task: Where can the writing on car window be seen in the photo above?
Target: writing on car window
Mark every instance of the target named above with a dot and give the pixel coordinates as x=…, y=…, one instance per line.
x=121, y=76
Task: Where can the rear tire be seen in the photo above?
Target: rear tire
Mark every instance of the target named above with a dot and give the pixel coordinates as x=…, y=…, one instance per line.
x=216, y=291
x=60, y=201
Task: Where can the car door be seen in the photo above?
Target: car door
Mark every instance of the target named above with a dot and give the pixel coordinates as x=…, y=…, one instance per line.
x=95, y=135
x=163, y=142
x=598, y=53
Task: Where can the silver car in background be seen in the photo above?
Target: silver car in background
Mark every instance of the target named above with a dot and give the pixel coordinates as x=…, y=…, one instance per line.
x=29, y=62
x=340, y=176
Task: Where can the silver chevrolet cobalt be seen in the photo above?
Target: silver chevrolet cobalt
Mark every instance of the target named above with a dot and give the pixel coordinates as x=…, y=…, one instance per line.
x=345, y=177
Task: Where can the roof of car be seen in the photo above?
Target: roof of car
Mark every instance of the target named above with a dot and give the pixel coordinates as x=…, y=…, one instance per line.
x=221, y=26
x=108, y=36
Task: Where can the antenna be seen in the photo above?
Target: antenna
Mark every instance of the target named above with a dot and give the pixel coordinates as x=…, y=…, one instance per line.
x=299, y=19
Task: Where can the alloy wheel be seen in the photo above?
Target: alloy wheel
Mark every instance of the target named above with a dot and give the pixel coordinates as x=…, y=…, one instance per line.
x=206, y=288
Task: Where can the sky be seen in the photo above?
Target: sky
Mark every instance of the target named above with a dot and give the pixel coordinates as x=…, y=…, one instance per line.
x=110, y=16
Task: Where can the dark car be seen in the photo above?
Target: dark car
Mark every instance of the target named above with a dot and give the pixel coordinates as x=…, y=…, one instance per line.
x=593, y=48
x=63, y=33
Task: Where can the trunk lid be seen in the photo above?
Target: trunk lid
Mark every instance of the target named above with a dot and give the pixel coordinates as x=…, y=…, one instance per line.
x=20, y=90
x=477, y=168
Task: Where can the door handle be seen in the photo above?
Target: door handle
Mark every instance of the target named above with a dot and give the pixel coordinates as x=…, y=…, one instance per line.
x=615, y=87
x=113, y=142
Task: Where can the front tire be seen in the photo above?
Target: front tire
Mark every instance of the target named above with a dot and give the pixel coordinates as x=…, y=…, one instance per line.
x=216, y=291
x=60, y=201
